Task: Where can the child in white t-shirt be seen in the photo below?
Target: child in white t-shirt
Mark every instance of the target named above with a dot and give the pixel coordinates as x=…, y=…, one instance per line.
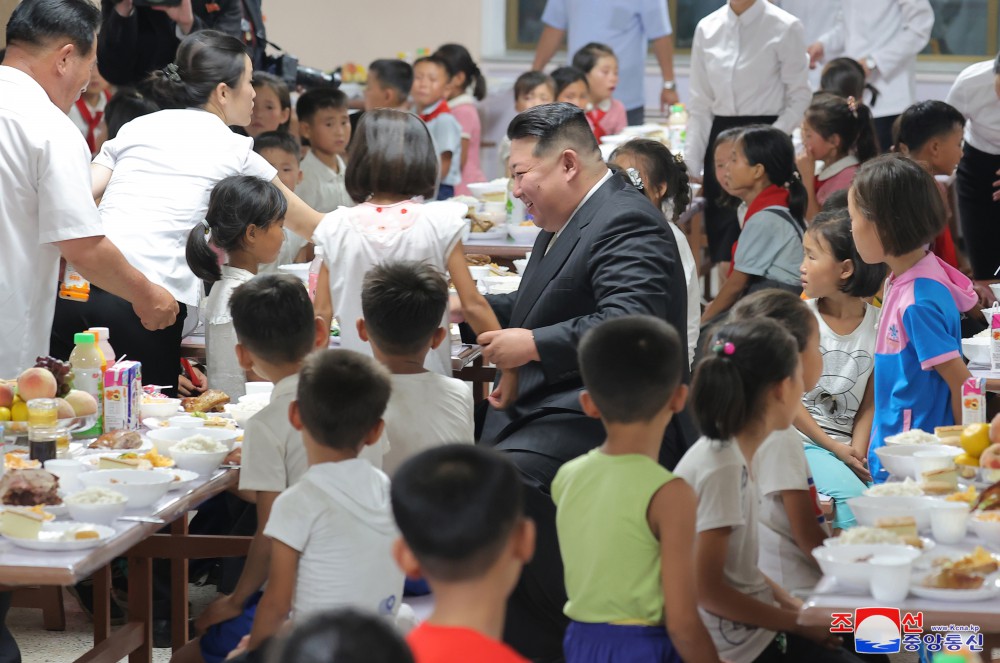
x=324, y=122
x=245, y=219
x=403, y=303
x=332, y=532
x=748, y=386
x=430, y=81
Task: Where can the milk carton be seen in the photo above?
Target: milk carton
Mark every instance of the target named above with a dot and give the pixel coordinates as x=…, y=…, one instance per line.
x=122, y=396
x=974, y=401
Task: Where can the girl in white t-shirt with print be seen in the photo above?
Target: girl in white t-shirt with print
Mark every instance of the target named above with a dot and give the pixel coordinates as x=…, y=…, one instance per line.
x=841, y=406
x=748, y=386
x=245, y=219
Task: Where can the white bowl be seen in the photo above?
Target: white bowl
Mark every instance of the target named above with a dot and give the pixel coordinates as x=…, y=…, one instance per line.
x=203, y=463
x=480, y=189
x=868, y=510
x=165, y=438
x=255, y=398
x=142, y=489
x=160, y=408
x=899, y=459
x=849, y=564
x=977, y=350
x=186, y=421
x=520, y=265
x=995, y=288
x=496, y=285
x=988, y=531
x=179, y=479
x=524, y=234
x=479, y=272
x=260, y=387
x=241, y=412
x=102, y=514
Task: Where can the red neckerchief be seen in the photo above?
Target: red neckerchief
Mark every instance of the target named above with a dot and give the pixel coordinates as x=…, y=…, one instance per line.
x=441, y=109
x=595, y=115
x=92, y=119
x=772, y=196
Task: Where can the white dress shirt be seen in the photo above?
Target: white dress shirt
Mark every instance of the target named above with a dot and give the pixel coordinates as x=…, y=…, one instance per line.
x=974, y=95
x=818, y=19
x=751, y=64
x=891, y=32
x=45, y=197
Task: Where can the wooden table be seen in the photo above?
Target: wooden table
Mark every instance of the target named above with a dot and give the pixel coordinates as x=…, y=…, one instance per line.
x=504, y=248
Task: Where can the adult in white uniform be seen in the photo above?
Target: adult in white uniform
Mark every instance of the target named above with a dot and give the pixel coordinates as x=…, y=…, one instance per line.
x=818, y=18
x=46, y=207
x=885, y=37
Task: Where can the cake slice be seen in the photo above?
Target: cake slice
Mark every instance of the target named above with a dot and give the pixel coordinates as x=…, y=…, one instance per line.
x=905, y=528
x=21, y=523
x=940, y=482
x=123, y=463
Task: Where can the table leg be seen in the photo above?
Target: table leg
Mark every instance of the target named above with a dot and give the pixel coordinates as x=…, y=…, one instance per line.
x=140, y=605
x=179, y=589
x=102, y=604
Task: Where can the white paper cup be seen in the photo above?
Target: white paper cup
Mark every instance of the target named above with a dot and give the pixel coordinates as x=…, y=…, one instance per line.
x=949, y=521
x=260, y=387
x=930, y=460
x=890, y=579
x=68, y=472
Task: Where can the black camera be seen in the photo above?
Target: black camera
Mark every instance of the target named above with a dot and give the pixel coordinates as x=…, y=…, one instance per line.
x=287, y=68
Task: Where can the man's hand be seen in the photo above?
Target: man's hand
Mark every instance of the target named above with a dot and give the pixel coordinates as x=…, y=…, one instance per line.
x=157, y=311
x=667, y=99
x=815, y=53
x=182, y=15
x=509, y=348
x=847, y=456
x=220, y=610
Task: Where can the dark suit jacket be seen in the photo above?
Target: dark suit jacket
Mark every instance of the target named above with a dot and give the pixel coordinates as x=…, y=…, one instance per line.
x=615, y=257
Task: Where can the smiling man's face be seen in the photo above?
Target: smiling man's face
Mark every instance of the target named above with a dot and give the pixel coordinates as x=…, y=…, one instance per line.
x=540, y=182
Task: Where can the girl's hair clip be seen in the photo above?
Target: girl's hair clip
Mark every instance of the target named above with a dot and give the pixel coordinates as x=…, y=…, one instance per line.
x=678, y=158
x=724, y=348
x=635, y=177
x=852, y=105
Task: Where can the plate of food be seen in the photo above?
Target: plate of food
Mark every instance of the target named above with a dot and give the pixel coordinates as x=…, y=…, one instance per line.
x=31, y=488
x=129, y=460
x=873, y=536
x=208, y=421
x=487, y=226
x=208, y=402
x=25, y=530
x=915, y=436
x=182, y=478
x=971, y=577
x=120, y=440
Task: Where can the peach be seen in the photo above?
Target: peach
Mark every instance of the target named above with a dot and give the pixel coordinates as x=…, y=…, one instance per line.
x=36, y=383
x=65, y=410
x=6, y=395
x=81, y=402
x=990, y=458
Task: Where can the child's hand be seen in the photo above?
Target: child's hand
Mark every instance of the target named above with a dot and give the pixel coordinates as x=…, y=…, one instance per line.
x=240, y=648
x=806, y=163
x=848, y=456
x=506, y=391
x=220, y=610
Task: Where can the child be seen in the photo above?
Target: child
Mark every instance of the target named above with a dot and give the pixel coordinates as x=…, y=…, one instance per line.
x=126, y=105
x=324, y=122
x=931, y=133
x=791, y=519
x=664, y=180
x=460, y=511
x=332, y=532
x=341, y=636
x=430, y=82
x=837, y=283
x=403, y=303
x=845, y=77
x=272, y=109
x=762, y=173
x=88, y=110
x=282, y=150
x=599, y=64
x=389, y=83
x=840, y=133
x=245, y=219
x=722, y=152
x=392, y=162
x=466, y=86
x=275, y=329
x=895, y=211
x=748, y=386
x=572, y=87
x=532, y=88
x=626, y=524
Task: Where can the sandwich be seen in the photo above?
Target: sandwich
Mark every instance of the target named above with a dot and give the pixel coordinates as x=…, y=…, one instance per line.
x=210, y=401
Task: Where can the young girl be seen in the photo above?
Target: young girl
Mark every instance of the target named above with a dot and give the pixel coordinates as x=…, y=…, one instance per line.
x=845, y=77
x=430, y=82
x=245, y=219
x=747, y=387
x=838, y=412
x=599, y=64
x=572, y=87
x=272, y=109
x=664, y=180
x=466, y=86
x=840, y=133
x=895, y=212
x=762, y=173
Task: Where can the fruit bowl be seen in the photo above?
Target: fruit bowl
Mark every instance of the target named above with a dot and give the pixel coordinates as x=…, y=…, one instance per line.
x=13, y=430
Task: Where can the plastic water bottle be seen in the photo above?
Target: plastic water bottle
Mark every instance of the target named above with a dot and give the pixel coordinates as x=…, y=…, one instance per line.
x=103, y=337
x=314, y=268
x=677, y=127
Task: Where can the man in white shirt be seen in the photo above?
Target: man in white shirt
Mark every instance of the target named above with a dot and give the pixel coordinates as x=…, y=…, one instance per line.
x=46, y=205
x=818, y=18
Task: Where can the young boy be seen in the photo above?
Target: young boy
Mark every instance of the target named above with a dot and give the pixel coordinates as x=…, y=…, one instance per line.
x=276, y=329
x=403, y=304
x=626, y=525
x=332, y=532
x=532, y=88
x=282, y=150
x=430, y=81
x=389, y=83
x=324, y=122
x=460, y=510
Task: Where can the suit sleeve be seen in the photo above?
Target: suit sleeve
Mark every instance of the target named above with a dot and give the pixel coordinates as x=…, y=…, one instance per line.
x=634, y=269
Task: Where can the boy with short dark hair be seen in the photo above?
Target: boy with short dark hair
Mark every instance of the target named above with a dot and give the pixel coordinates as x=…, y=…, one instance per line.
x=460, y=510
x=324, y=122
x=276, y=330
x=403, y=304
x=389, y=83
x=332, y=533
x=281, y=149
x=532, y=88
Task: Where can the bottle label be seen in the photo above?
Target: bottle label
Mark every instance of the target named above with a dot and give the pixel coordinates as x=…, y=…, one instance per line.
x=91, y=381
x=74, y=286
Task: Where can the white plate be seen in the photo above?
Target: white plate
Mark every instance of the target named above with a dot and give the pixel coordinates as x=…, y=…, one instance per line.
x=496, y=234
x=186, y=477
x=990, y=589
x=142, y=448
x=92, y=460
x=152, y=423
x=48, y=540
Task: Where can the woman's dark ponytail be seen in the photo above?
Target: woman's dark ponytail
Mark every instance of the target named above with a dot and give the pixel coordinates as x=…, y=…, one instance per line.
x=772, y=148
x=204, y=59
x=459, y=60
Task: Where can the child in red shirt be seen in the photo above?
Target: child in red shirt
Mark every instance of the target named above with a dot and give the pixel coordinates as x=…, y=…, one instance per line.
x=460, y=510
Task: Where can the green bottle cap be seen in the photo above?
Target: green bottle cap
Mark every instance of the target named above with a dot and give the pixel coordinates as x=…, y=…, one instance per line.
x=83, y=338
x=948, y=658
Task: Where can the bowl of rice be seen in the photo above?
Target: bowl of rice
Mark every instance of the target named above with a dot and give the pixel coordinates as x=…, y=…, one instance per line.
x=874, y=536
x=241, y=412
x=915, y=436
x=906, y=488
x=986, y=525
x=142, y=489
x=898, y=459
x=164, y=439
x=870, y=510
x=977, y=349
x=199, y=453
x=96, y=505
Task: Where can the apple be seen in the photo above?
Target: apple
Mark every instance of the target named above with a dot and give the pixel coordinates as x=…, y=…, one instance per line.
x=990, y=458
x=36, y=383
x=82, y=403
x=6, y=395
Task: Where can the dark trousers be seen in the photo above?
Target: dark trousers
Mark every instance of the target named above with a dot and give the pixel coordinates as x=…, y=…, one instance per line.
x=9, y=653
x=883, y=132
x=977, y=211
x=721, y=224
x=158, y=351
x=803, y=649
x=636, y=116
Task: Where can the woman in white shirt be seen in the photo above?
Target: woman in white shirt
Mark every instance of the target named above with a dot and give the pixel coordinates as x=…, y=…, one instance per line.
x=154, y=181
x=975, y=94
x=748, y=66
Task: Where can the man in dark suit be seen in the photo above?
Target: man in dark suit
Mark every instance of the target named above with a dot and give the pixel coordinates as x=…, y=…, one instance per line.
x=604, y=251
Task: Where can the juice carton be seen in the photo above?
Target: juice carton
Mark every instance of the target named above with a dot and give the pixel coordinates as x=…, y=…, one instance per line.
x=994, y=316
x=122, y=396
x=974, y=401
